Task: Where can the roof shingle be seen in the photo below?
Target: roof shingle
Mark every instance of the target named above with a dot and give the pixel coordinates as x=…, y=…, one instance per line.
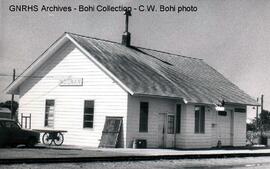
x=156, y=73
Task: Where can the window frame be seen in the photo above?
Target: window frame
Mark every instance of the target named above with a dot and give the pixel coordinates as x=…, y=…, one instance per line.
x=46, y=114
x=10, y=125
x=240, y=110
x=199, y=124
x=222, y=113
x=143, y=118
x=170, y=126
x=87, y=114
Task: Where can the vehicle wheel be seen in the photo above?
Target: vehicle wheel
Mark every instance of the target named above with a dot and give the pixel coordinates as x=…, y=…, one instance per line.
x=59, y=139
x=31, y=142
x=46, y=139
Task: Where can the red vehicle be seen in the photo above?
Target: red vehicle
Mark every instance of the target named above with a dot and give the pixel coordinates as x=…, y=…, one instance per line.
x=11, y=134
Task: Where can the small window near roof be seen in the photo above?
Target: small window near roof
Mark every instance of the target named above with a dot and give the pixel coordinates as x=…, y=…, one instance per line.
x=240, y=110
x=222, y=113
x=88, y=117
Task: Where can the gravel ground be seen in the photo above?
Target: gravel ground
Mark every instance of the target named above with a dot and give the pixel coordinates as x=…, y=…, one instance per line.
x=249, y=162
x=65, y=151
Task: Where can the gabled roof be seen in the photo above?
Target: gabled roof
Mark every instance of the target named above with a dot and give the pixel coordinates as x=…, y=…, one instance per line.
x=142, y=71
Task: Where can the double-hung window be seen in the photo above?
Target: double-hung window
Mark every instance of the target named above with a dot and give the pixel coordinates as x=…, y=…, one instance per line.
x=199, y=119
x=143, y=126
x=49, y=113
x=88, y=116
x=170, y=128
x=178, y=118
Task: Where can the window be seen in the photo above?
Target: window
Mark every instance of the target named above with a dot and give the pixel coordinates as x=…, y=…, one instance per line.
x=88, y=117
x=11, y=124
x=170, y=124
x=178, y=118
x=222, y=113
x=49, y=113
x=199, y=119
x=240, y=110
x=143, y=127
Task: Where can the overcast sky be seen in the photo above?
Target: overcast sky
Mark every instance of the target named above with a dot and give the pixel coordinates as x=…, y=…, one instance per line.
x=231, y=36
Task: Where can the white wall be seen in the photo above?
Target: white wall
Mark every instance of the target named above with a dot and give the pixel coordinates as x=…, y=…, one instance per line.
x=188, y=138
x=222, y=128
x=240, y=125
x=110, y=99
x=234, y=121
x=156, y=106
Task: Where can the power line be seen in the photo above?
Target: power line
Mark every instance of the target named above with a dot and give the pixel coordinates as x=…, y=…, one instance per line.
x=6, y=75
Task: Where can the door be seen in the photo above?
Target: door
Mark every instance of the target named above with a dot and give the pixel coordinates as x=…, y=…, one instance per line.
x=111, y=132
x=232, y=126
x=161, y=130
x=214, y=132
x=224, y=130
x=170, y=131
x=166, y=127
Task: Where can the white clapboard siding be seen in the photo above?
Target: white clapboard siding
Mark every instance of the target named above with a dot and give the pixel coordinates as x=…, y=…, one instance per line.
x=235, y=122
x=239, y=138
x=188, y=138
x=156, y=106
x=110, y=99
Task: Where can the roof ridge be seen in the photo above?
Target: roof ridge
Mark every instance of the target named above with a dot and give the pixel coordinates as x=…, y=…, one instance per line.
x=168, y=53
x=133, y=46
x=92, y=37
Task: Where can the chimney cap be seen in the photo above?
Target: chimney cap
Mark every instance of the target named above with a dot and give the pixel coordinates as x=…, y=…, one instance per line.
x=127, y=12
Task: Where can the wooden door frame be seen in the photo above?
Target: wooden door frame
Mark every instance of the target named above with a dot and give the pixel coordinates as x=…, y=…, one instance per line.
x=163, y=144
x=165, y=125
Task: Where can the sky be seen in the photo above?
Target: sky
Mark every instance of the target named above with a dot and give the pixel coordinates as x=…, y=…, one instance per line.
x=233, y=36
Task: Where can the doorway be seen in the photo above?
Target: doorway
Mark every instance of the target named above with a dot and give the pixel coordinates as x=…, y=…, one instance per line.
x=161, y=130
x=166, y=130
x=224, y=124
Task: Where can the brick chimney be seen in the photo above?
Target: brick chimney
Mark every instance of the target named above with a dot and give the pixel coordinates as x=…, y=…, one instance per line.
x=126, y=35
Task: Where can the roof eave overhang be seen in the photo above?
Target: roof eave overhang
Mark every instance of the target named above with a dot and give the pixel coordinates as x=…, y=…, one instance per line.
x=13, y=87
x=157, y=96
x=243, y=104
x=194, y=102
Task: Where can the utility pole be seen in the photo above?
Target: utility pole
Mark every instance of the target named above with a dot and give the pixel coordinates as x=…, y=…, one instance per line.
x=12, y=115
x=257, y=116
x=262, y=103
x=261, y=127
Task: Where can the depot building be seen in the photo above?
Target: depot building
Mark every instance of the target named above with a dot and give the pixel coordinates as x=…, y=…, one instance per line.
x=110, y=94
